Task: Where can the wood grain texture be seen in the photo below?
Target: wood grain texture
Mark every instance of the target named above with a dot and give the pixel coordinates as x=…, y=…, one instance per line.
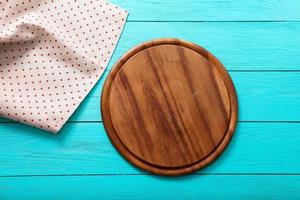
x=83, y=148
x=211, y=10
x=214, y=187
x=169, y=106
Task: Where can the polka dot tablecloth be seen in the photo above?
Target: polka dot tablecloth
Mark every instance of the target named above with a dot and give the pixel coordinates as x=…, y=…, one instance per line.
x=52, y=52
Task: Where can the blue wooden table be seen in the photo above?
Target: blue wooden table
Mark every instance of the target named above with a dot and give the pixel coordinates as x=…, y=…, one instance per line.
x=257, y=41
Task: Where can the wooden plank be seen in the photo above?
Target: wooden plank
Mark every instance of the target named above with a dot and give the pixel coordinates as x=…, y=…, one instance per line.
x=262, y=97
x=272, y=96
x=151, y=187
x=83, y=148
x=239, y=46
x=210, y=10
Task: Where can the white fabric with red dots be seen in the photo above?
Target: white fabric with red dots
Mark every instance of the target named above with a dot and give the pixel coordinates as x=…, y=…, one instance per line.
x=52, y=52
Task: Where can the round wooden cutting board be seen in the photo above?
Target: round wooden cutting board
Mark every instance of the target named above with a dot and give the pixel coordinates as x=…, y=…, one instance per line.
x=169, y=107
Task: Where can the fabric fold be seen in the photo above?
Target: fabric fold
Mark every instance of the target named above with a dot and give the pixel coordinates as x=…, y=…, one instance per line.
x=52, y=53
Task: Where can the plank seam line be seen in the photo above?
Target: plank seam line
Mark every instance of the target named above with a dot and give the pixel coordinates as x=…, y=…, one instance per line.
x=215, y=21
x=250, y=70
x=261, y=70
x=147, y=174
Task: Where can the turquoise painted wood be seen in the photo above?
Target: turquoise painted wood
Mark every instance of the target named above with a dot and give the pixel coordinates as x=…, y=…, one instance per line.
x=258, y=42
x=213, y=187
x=83, y=148
x=239, y=45
x=211, y=10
